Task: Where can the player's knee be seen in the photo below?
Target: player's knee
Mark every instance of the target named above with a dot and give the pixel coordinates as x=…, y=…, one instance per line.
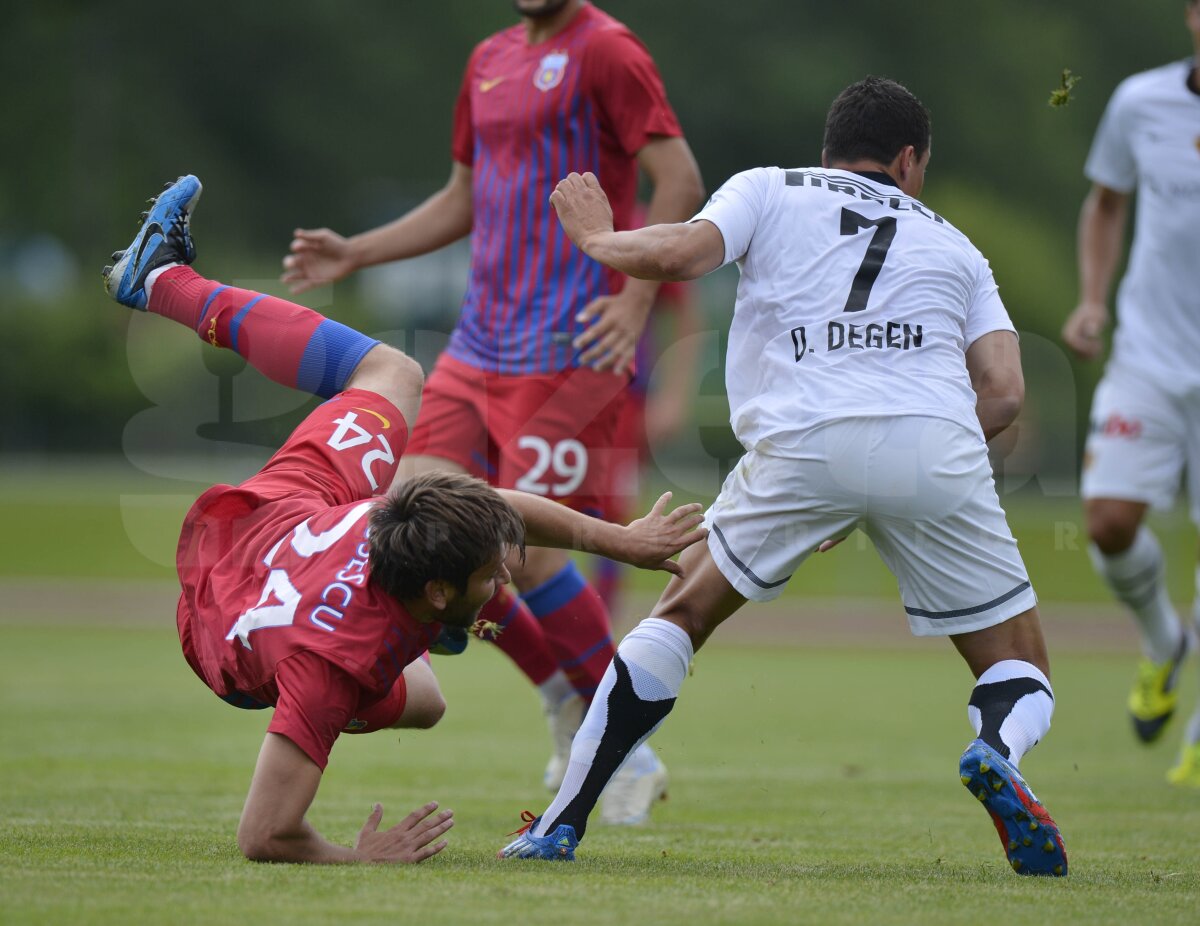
x=1111, y=528
x=391, y=373
x=425, y=713
x=424, y=705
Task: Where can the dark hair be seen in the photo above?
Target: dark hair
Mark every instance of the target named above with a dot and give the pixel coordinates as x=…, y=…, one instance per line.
x=439, y=526
x=873, y=120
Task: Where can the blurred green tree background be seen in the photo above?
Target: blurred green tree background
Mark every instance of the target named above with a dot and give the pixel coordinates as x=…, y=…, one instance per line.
x=339, y=114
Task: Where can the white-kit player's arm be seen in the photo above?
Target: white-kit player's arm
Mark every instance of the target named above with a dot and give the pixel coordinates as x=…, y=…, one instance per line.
x=682, y=251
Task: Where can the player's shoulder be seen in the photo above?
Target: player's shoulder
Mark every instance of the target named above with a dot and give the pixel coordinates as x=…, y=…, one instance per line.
x=605, y=35
x=498, y=42
x=1147, y=85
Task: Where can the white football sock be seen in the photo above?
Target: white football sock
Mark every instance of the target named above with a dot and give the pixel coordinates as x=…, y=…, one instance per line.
x=1010, y=707
x=655, y=655
x=1138, y=578
x=153, y=275
x=556, y=689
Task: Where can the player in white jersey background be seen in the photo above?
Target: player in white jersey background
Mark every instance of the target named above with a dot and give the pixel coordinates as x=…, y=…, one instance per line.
x=870, y=358
x=1145, y=419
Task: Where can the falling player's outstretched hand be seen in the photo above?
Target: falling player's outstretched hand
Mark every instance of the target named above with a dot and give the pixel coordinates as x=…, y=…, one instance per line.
x=652, y=540
x=582, y=207
x=412, y=840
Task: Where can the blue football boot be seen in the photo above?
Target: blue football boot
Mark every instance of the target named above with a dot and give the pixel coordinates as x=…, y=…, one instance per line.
x=1031, y=839
x=558, y=846
x=163, y=239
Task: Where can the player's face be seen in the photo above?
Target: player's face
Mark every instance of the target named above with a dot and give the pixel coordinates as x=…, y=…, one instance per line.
x=463, y=609
x=539, y=9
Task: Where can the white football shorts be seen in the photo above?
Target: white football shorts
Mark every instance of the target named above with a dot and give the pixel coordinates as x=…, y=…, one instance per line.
x=1141, y=440
x=920, y=488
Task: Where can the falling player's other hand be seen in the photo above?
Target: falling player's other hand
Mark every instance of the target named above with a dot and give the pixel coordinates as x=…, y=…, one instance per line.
x=652, y=540
x=412, y=840
x=318, y=257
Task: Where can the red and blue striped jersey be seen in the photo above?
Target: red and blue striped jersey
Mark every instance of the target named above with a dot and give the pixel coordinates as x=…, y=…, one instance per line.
x=589, y=98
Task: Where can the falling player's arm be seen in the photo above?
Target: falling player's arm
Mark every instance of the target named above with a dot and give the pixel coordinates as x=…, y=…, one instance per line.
x=994, y=363
x=1101, y=238
x=273, y=827
x=682, y=251
x=316, y=701
x=321, y=256
x=648, y=542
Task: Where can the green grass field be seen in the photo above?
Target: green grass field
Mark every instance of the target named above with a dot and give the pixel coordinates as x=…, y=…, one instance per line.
x=809, y=784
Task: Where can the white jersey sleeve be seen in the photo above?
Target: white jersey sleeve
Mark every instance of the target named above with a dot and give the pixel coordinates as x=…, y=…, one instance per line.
x=986, y=312
x=1111, y=161
x=736, y=209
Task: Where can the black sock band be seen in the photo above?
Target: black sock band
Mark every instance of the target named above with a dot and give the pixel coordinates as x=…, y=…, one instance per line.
x=630, y=719
x=995, y=702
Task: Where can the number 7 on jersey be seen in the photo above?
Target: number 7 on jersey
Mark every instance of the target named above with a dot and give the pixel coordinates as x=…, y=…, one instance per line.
x=872, y=262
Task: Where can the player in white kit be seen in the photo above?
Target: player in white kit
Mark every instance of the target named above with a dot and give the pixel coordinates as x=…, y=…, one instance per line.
x=870, y=358
x=1145, y=422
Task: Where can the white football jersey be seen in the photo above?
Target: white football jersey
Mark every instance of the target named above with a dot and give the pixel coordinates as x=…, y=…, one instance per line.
x=1149, y=139
x=855, y=300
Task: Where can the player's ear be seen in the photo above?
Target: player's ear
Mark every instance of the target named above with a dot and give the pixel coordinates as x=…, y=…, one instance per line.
x=824, y=158
x=438, y=593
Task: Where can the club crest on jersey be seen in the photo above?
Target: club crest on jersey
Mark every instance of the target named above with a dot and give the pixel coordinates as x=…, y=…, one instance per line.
x=550, y=72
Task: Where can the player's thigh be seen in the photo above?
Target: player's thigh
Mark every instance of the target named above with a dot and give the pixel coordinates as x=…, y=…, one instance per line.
x=345, y=450
x=1137, y=444
x=450, y=433
x=771, y=514
x=554, y=435
x=945, y=537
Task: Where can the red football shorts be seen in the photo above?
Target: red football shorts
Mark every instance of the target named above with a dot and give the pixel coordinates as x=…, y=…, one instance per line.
x=630, y=436
x=549, y=434
x=346, y=449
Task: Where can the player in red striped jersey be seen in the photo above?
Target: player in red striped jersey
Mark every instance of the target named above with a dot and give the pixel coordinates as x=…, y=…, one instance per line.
x=529, y=390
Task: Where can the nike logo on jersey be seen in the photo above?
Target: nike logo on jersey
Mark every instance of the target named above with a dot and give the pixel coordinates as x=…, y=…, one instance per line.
x=386, y=424
x=486, y=85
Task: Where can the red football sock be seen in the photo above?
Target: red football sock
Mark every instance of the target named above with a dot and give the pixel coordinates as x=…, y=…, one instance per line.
x=519, y=636
x=288, y=343
x=575, y=623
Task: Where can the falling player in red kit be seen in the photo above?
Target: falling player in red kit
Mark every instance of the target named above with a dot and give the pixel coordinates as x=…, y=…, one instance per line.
x=305, y=592
x=528, y=392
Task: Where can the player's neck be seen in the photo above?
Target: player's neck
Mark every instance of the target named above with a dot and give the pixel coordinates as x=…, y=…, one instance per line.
x=540, y=28
x=864, y=167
